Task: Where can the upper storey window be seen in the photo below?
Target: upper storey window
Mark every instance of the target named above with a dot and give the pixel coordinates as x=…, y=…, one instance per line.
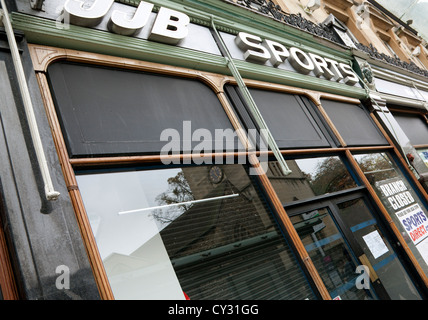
x=341, y=31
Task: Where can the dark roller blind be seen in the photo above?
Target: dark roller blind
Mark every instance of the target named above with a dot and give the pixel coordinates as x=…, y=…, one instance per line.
x=106, y=111
x=353, y=123
x=414, y=127
x=288, y=119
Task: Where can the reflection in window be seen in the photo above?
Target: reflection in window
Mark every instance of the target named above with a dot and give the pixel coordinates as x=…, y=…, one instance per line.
x=330, y=254
x=400, y=200
x=201, y=231
x=310, y=177
x=383, y=257
x=376, y=167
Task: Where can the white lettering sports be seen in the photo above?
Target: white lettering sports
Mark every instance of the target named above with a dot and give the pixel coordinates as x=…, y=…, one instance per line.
x=261, y=50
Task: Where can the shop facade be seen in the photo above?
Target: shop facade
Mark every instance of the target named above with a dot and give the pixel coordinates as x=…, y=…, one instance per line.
x=203, y=151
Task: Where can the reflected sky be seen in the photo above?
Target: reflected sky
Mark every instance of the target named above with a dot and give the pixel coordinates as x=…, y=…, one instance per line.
x=310, y=165
x=105, y=195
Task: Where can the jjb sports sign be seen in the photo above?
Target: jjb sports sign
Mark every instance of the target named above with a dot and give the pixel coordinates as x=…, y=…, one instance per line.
x=175, y=28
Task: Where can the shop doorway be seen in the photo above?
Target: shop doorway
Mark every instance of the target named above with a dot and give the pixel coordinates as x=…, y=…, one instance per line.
x=353, y=254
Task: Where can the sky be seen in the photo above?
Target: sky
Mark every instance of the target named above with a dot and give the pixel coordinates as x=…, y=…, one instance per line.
x=416, y=10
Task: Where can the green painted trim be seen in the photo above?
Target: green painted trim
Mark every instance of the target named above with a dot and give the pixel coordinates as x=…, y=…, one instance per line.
x=233, y=18
x=44, y=32
x=294, y=79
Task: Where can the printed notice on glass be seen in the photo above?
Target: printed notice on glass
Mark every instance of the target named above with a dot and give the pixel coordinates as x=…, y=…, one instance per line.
x=414, y=220
x=375, y=244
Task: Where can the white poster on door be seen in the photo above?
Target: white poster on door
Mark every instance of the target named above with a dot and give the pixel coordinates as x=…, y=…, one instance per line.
x=375, y=244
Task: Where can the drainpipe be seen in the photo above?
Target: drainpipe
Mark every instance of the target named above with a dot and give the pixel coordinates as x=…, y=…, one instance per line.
x=250, y=102
x=50, y=192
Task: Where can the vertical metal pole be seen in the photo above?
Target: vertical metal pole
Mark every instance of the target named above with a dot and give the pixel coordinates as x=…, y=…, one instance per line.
x=50, y=192
x=249, y=100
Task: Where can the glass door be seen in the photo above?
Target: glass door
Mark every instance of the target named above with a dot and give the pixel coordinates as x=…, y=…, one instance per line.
x=331, y=254
x=350, y=252
x=386, y=270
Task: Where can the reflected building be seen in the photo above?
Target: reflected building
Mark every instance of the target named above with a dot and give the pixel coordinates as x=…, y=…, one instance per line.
x=292, y=187
x=205, y=246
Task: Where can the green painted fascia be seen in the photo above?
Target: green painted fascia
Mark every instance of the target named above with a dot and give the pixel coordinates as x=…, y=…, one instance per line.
x=289, y=78
x=233, y=18
x=44, y=32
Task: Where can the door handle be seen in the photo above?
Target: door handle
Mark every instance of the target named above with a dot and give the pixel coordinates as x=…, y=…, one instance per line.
x=365, y=261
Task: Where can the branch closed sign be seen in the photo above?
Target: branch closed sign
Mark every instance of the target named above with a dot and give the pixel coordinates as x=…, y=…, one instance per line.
x=400, y=202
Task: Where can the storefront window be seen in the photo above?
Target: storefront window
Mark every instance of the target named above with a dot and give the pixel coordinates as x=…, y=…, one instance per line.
x=310, y=177
x=414, y=126
x=202, y=232
x=111, y=111
x=353, y=123
x=401, y=201
x=290, y=118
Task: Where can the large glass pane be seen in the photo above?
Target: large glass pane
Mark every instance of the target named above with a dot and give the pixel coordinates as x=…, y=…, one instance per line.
x=310, y=177
x=401, y=201
x=330, y=254
x=203, y=231
x=378, y=250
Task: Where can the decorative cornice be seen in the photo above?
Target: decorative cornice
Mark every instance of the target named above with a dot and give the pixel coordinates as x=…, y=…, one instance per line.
x=373, y=53
x=270, y=9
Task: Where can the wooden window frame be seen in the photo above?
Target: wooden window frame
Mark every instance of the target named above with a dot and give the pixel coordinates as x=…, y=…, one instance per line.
x=423, y=115
x=43, y=56
x=8, y=288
